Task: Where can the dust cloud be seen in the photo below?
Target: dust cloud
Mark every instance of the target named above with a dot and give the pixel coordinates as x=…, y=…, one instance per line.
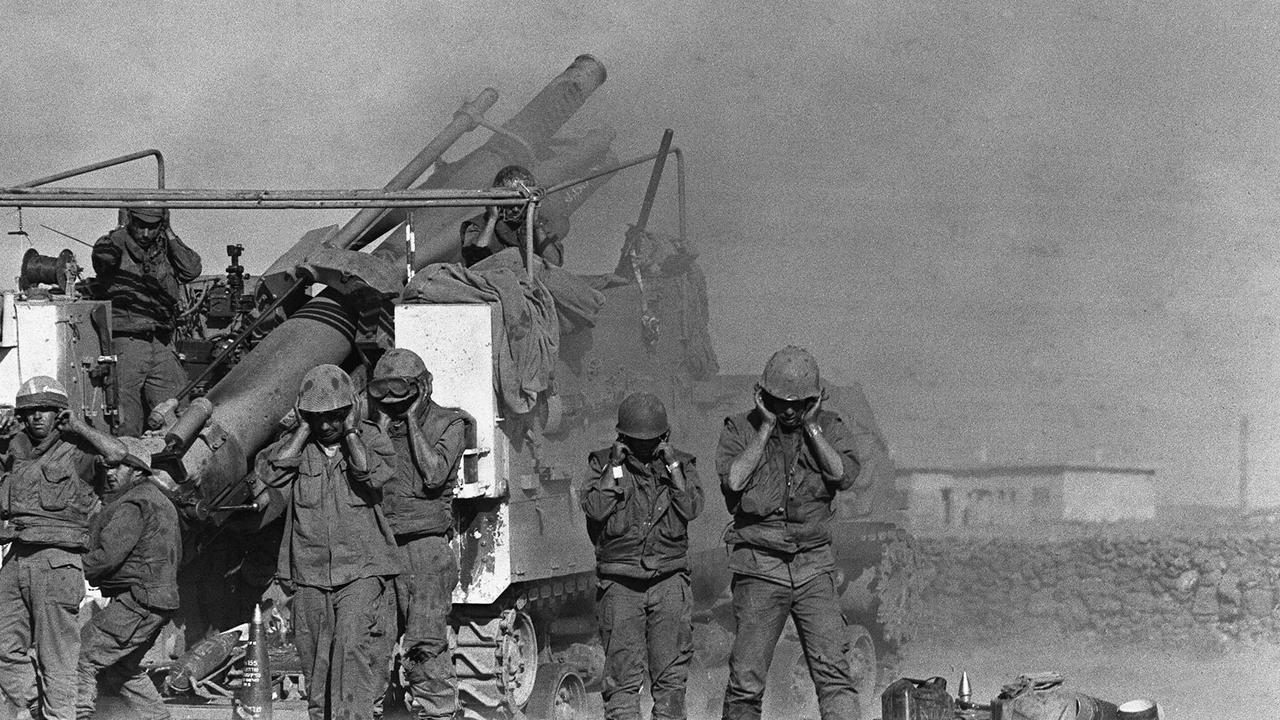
x=1038, y=232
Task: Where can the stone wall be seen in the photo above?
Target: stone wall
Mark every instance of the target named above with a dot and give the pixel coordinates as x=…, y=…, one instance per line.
x=1221, y=586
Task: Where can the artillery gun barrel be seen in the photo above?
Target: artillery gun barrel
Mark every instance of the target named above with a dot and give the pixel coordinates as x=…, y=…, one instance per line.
x=437, y=231
x=252, y=398
x=249, y=402
x=464, y=121
x=534, y=125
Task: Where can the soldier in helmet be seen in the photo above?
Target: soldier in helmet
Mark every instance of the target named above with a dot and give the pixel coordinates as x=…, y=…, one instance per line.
x=640, y=496
x=134, y=551
x=139, y=268
x=418, y=502
x=45, y=504
x=337, y=550
x=780, y=466
x=503, y=227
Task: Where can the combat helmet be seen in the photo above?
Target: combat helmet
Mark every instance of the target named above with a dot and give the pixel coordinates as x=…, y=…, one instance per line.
x=147, y=214
x=393, y=374
x=42, y=391
x=642, y=416
x=325, y=388
x=791, y=374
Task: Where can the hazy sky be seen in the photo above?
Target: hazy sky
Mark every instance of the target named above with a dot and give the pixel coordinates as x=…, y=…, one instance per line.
x=1034, y=233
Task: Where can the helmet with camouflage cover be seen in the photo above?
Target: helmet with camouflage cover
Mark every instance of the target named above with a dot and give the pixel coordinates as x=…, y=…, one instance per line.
x=42, y=391
x=395, y=373
x=325, y=388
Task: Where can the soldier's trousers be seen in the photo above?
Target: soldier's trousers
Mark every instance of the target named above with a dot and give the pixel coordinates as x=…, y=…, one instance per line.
x=760, y=610
x=645, y=623
x=40, y=593
x=112, y=647
x=345, y=646
x=424, y=594
x=148, y=372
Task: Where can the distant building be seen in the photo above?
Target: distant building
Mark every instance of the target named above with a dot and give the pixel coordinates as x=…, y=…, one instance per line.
x=957, y=498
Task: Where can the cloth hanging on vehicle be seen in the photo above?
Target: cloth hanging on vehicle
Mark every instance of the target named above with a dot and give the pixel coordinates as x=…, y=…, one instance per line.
x=528, y=338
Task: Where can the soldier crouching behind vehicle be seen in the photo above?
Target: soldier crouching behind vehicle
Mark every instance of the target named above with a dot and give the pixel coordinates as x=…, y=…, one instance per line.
x=46, y=502
x=418, y=502
x=780, y=466
x=640, y=496
x=134, y=552
x=337, y=549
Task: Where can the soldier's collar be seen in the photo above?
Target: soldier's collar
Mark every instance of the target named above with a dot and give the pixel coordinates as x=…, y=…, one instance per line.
x=637, y=466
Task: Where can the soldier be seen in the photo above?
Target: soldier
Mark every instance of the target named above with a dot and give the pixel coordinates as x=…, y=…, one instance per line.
x=640, y=496
x=134, y=551
x=429, y=440
x=337, y=549
x=503, y=227
x=139, y=267
x=780, y=466
x=45, y=503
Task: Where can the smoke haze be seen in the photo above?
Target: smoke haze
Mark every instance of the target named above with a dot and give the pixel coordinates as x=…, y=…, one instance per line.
x=1040, y=233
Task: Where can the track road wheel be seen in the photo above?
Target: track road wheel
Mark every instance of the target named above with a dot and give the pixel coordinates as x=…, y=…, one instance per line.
x=558, y=694
x=518, y=656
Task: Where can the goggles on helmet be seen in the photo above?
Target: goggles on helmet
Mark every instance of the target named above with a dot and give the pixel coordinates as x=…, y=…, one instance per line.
x=398, y=387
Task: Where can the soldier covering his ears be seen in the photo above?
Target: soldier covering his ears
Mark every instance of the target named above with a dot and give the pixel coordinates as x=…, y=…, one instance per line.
x=337, y=549
x=46, y=501
x=640, y=496
x=418, y=502
x=780, y=467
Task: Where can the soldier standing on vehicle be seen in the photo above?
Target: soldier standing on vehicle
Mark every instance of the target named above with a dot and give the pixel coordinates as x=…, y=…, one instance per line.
x=501, y=227
x=337, y=549
x=780, y=466
x=139, y=268
x=45, y=504
x=418, y=502
x=134, y=551
x=640, y=496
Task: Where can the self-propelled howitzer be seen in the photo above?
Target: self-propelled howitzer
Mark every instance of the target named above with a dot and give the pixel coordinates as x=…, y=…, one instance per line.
x=523, y=616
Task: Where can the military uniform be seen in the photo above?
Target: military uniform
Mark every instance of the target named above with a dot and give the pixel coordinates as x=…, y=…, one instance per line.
x=143, y=285
x=643, y=601
x=782, y=563
x=133, y=557
x=420, y=510
x=45, y=503
x=339, y=552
